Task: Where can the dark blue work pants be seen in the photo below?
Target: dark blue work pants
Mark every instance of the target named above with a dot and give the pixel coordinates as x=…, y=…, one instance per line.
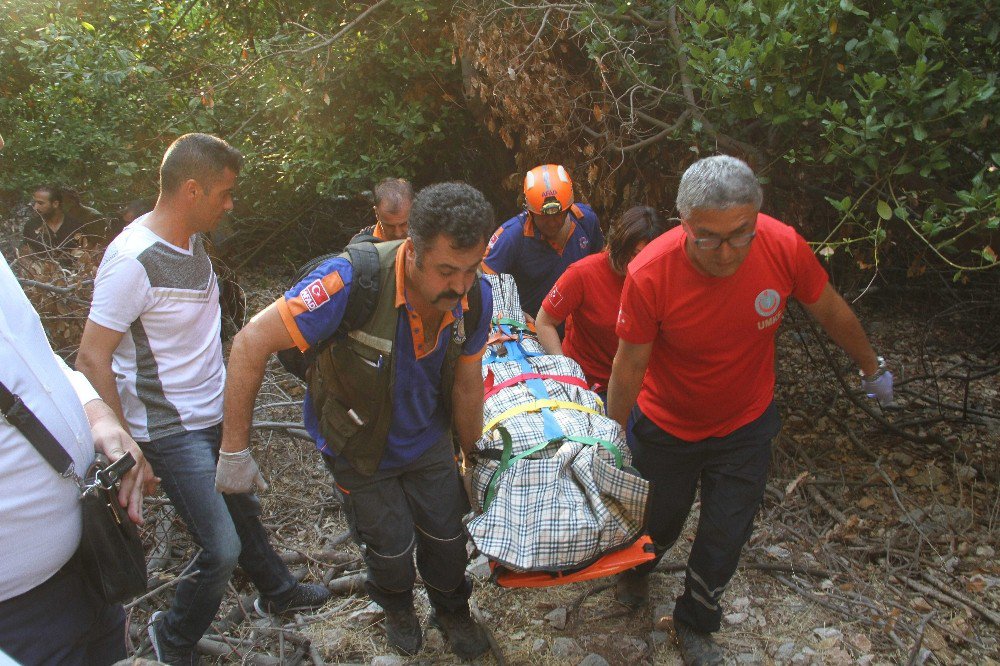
x=732, y=471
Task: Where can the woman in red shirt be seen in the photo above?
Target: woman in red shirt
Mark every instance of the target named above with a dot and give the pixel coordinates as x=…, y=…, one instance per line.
x=587, y=296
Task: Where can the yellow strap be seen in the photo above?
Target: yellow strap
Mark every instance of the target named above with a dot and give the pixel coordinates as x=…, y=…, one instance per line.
x=537, y=406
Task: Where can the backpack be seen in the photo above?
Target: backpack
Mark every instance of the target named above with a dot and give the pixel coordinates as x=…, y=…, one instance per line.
x=361, y=300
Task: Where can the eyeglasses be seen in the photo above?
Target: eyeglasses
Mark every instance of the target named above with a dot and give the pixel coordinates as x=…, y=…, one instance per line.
x=734, y=241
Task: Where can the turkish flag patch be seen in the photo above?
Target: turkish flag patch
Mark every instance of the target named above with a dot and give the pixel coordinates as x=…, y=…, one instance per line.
x=314, y=295
x=555, y=298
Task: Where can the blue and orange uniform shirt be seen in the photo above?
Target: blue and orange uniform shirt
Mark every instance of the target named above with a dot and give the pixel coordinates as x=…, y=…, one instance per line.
x=518, y=248
x=312, y=311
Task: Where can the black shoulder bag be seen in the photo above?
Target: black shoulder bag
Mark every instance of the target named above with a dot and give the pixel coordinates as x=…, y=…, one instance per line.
x=110, y=553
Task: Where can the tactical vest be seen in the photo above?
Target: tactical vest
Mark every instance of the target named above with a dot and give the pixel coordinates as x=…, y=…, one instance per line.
x=352, y=380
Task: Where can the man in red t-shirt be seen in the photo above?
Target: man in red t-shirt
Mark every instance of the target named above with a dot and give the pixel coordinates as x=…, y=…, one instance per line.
x=693, y=379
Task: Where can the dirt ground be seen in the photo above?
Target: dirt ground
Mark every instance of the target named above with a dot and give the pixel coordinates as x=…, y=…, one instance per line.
x=876, y=543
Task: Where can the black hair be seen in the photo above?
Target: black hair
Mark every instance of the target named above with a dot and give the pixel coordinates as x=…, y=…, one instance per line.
x=456, y=210
x=197, y=156
x=55, y=193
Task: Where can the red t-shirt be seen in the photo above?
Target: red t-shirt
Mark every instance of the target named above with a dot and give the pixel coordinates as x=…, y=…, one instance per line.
x=711, y=368
x=587, y=296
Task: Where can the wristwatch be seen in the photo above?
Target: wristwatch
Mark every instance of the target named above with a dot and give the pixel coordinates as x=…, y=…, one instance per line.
x=879, y=371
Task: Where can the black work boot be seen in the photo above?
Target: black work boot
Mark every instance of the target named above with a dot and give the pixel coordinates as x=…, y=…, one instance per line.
x=304, y=597
x=402, y=630
x=697, y=648
x=632, y=588
x=468, y=640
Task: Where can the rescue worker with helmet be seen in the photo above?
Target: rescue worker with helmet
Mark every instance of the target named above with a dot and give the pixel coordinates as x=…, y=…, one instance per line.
x=538, y=244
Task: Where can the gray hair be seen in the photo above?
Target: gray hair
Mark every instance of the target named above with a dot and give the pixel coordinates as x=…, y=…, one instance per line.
x=393, y=193
x=717, y=183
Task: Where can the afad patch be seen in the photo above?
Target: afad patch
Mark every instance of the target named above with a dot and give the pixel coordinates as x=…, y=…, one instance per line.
x=314, y=295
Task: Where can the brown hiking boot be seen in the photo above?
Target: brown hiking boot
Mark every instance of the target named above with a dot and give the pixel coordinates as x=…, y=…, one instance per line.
x=402, y=630
x=632, y=588
x=697, y=648
x=468, y=640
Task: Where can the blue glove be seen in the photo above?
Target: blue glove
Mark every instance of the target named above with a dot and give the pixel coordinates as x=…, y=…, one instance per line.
x=879, y=388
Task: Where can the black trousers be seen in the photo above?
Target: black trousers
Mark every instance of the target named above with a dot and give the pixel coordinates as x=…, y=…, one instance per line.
x=62, y=622
x=416, y=507
x=732, y=471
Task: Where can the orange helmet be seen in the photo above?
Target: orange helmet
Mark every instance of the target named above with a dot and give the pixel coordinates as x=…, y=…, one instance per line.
x=548, y=189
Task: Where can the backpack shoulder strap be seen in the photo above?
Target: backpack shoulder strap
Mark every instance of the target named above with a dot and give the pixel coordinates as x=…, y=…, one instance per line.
x=363, y=297
x=361, y=302
x=475, y=312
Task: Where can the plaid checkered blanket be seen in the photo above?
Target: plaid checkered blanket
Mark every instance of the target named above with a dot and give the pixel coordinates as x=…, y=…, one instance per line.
x=571, y=498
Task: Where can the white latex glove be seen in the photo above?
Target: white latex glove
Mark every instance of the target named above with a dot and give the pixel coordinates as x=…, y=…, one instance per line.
x=238, y=473
x=879, y=388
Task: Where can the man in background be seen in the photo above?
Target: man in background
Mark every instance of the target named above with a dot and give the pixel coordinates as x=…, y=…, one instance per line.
x=393, y=198
x=53, y=227
x=537, y=245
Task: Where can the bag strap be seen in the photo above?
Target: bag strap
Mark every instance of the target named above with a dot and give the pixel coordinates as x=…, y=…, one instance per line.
x=21, y=417
x=537, y=406
x=507, y=459
x=361, y=301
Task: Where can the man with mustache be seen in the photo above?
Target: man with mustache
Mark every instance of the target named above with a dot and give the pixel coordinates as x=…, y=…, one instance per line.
x=383, y=401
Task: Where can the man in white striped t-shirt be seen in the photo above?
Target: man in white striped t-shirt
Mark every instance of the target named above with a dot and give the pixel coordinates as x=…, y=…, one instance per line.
x=151, y=348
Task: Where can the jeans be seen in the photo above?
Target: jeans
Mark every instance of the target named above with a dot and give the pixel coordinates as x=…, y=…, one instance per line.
x=415, y=507
x=227, y=527
x=62, y=622
x=733, y=472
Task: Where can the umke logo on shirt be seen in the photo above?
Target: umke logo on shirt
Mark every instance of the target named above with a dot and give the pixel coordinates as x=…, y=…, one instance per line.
x=555, y=298
x=314, y=295
x=767, y=305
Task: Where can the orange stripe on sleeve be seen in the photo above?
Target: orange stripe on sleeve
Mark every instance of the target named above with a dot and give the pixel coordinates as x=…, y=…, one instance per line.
x=470, y=358
x=333, y=283
x=288, y=319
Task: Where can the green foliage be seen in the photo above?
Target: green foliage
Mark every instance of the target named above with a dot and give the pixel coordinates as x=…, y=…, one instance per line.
x=886, y=109
x=894, y=103
x=94, y=91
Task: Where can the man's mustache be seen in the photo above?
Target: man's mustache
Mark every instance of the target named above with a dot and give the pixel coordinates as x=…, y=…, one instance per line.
x=448, y=295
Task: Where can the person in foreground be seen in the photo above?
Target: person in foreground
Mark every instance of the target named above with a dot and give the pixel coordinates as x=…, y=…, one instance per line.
x=382, y=403
x=587, y=295
x=49, y=612
x=693, y=379
x=151, y=348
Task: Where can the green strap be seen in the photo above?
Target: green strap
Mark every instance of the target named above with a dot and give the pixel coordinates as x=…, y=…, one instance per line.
x=513, y=323
x=594, y=441
x=506, y=461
